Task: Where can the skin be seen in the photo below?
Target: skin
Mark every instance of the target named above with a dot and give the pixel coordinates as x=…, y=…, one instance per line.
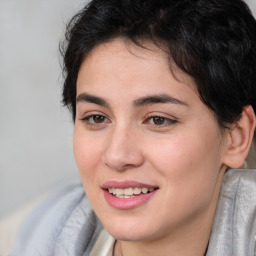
x=182, y=153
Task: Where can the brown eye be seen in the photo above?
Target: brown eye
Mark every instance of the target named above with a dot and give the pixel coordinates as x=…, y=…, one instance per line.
x=158, y=120
x=95, y=119
x=98, y=119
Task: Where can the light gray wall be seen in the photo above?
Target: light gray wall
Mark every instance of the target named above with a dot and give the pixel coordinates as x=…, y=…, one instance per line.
x=252, y=5
x=35, y=131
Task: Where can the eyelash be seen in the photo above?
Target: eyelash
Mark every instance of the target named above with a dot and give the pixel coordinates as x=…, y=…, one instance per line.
x=87, y=120
x=165, y=121
x=151, y=120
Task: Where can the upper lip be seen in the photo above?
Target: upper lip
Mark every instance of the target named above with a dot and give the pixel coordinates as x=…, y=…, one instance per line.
x=126, y=184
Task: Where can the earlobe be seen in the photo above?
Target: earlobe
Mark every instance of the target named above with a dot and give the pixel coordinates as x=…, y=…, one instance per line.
x=239, y=139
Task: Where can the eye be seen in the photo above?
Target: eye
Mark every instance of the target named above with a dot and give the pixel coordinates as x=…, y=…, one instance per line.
x=95, y=119
x=160, y=121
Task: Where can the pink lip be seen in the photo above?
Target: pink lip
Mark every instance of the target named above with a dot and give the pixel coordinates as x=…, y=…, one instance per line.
x=127, y=203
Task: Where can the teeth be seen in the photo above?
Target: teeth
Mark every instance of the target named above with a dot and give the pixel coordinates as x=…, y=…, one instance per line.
x=129, y=192
x=136, y=191
x=119, y=191
x=123, y=196
x=144, y=190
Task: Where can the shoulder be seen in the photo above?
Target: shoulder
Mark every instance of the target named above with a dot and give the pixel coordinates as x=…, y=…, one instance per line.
x=234, y=228
x=63, y=224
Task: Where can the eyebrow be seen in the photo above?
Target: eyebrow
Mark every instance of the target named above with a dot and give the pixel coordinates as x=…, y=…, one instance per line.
x=84, y=97
x=147, y=100
x=161, y=98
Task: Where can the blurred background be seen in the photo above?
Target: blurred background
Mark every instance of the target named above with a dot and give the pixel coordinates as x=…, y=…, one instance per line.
x=35, y=130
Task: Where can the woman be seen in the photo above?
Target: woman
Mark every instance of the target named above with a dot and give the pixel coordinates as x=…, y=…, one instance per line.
x=163, y=97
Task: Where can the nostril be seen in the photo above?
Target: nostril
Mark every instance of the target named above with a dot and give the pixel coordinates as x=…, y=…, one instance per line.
x=120, y=167
x=123, y=162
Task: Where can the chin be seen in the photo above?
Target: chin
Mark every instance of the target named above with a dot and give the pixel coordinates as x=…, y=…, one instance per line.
x=130, y=231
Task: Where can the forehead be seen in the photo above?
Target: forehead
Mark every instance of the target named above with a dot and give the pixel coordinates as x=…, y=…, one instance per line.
x=122, y=59
x=121, y=47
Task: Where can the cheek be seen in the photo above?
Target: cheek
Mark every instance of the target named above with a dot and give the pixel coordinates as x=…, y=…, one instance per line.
x=188, y=163
x=189, y=179
x=87, y=155
x=192, y=149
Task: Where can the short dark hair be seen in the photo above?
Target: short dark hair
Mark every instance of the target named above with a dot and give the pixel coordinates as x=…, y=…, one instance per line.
x=213, y=41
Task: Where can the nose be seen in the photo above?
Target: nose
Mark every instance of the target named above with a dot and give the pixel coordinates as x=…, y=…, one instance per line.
x=123, y=150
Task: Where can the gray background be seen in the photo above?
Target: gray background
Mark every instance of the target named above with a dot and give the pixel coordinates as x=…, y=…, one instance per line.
x=35, y=130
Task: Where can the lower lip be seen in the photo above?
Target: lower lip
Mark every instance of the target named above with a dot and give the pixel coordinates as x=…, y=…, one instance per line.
x=127, y=203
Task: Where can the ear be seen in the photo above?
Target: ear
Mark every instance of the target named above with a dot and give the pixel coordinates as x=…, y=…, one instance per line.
x=239, y=139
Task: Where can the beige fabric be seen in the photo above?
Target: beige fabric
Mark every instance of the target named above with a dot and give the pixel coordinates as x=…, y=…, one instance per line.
x=10, y=225
x=104, y=245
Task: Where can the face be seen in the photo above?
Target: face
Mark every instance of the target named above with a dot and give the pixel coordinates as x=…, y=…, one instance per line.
x=149, y=152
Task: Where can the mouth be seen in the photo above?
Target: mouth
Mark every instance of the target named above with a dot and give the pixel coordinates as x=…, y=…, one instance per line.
x=129, y=192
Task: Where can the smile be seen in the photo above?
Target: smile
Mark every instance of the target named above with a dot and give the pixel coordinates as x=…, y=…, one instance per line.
x=129, y=192
x=128, y=195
